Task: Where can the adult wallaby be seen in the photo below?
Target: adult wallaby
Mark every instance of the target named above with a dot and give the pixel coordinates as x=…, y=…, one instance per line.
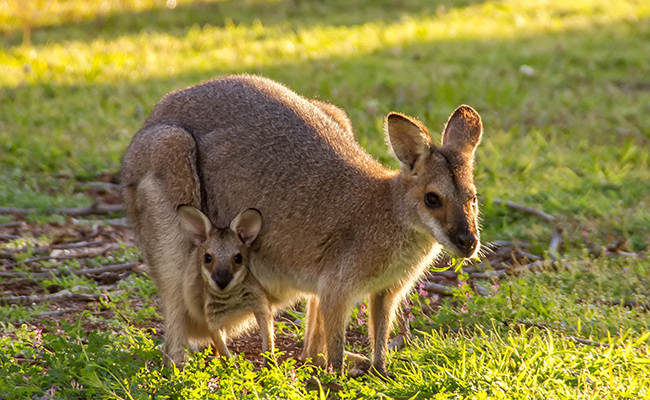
x=201, y=271
x=337, y=224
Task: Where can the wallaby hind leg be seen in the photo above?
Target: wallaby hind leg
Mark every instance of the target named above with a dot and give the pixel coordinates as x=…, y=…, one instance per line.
x=159, y=174
x=314, y=347
x=175, y=338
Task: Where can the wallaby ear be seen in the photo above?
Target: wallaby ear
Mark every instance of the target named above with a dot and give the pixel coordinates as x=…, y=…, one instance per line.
x=247, y=225
x=194, y=223
x=463, y=130
x=408, y=138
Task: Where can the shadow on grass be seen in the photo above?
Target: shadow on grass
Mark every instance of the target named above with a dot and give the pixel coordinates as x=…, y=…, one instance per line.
x=579, y=77
x=178, y=21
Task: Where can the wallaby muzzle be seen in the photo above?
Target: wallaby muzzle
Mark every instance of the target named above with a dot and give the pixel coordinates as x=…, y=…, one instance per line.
x=466, y=243
x=222, y=277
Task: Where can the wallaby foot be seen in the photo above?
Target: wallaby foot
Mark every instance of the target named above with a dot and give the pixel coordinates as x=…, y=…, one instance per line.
x=358, y=364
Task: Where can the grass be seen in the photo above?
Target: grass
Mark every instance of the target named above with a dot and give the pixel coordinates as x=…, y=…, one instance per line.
x=564, y=93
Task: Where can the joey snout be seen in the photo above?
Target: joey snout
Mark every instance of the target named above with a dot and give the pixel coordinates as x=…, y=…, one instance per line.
x=222, y=277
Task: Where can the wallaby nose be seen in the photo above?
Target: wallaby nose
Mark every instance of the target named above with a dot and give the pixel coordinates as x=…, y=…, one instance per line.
x=467, y=243
x=222, y=278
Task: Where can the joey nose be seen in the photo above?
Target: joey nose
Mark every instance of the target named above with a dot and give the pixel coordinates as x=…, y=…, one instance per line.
x=222, y=278
x=466, y=243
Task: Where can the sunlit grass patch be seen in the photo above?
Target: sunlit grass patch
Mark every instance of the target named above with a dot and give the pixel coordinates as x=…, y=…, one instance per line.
x=16, y=14
x=523, y=363
x=155, y=54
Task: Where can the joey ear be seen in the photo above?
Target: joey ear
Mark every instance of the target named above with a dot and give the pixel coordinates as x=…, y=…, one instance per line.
x=408, y=138
x=247, y=225
x=463, y=130
x=194, y=223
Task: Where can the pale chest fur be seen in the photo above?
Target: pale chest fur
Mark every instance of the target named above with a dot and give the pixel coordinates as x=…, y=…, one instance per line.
x=239, y=301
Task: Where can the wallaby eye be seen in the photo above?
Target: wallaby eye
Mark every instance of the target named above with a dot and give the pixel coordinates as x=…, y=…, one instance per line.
x=432, y=200
x=207, y=258
x=475, y=199
x=237, y=258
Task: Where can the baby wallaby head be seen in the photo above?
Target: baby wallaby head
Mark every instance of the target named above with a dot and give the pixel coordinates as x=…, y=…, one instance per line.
x=438, y=182
x=221, y=253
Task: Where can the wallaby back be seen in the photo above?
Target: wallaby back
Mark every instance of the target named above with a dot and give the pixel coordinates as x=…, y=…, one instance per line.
x=338, y=225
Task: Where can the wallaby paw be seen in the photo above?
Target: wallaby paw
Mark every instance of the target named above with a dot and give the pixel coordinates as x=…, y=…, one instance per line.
x=358, y=364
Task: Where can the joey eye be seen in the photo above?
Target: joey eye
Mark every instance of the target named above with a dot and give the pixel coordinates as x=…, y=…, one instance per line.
x=237, y=258
x=207, y=258
x=432, y=200
x=475, y=199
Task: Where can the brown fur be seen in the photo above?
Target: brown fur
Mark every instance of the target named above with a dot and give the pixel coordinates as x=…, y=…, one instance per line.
x=159, y=174
x=338, y=225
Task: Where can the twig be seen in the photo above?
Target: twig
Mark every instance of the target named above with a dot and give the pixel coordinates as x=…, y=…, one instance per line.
x=9, y=237
x=118, y=222
x=14, y=224
x=100, y=185
x=53, y=313
x=436, y=288
x=79, y=272
x=447, y=274
x=103, y=250
x=108, y=268
x=488, y=274
x=556, y=240
x=94, y=209
x=534, y=266
x=523, y=208
x=623, y=303
x=31, y=260
x=62, y=295
x=44, y=249
x=570, y=337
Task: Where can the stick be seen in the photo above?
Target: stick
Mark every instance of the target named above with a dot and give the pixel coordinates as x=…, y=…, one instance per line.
x=62, y=295
x=436, y=288
x=108, y=268
x=14, y=224
x=623, y=303
x=105, y=249
x=9, y=237
x=45, y=249
x=570, y=337
x=446, y=274
x=94, y=209
x=79, y=272
x=53, y=313
x=529, y=210
x=31, y=260
x=556, y=240
x=488, y=274
x=100, y=185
